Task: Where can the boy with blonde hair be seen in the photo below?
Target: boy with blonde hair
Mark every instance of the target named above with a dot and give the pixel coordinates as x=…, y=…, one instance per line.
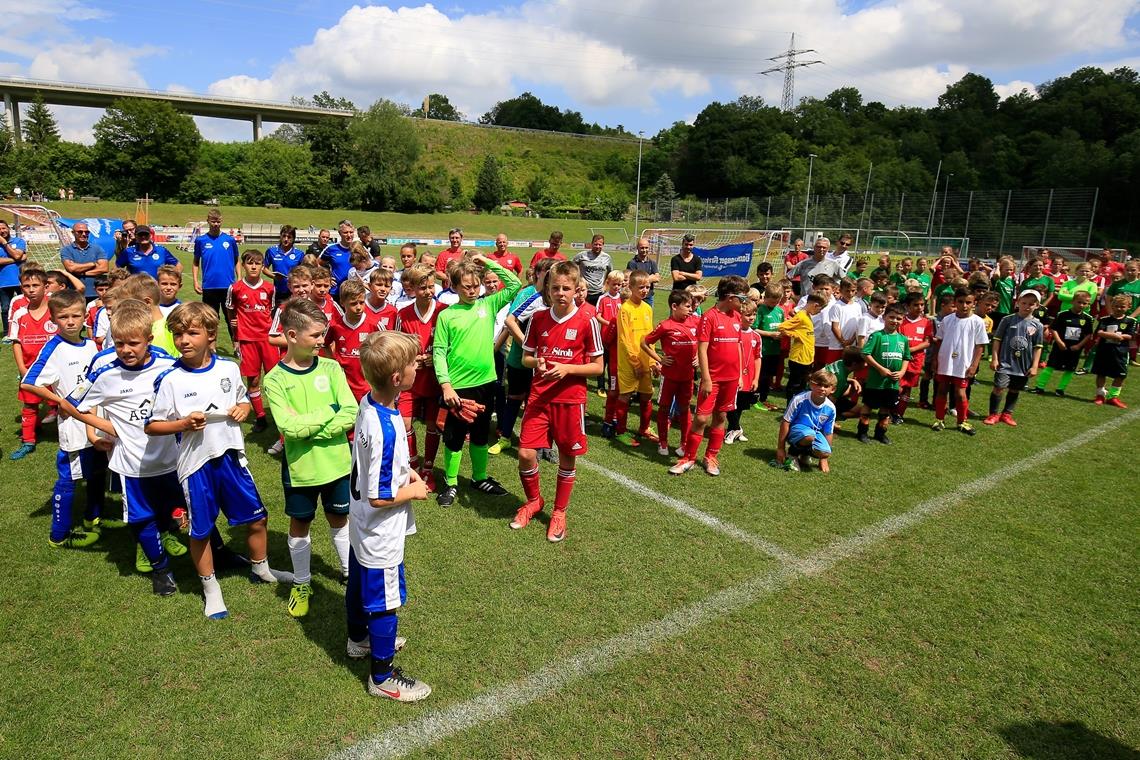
x=635, y=321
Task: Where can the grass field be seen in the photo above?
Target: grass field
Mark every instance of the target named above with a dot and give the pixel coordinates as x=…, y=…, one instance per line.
x=942, y=597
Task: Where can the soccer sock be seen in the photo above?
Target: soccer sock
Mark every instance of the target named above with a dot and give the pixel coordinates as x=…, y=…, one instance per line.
x=904, y=401
x=645, y=412
x=431, y=447
x=340, y=543
x=1011, y=401
x=301, y=552
x=28, y=424
x=382, y=636
x=451, y=462
x=1066, y=378
x=924, y=391
x=692, y=445
x=1089, y=357
x=883, y=423
x=1114, y=391
x=621, y=414
x=716, y=440
x=530, y=484
x=258, y=405
x=563, y=489
x=963, y=408
x=260, y=568
x=478, y=462
x=1100, y=391
x=939, y=404
x=864, y=426
x=61, y=505
x=995, y=402
x=1044, y=378
x=146, y=533
x=684, y=420
x=410, y=436
x=611, y=407
x=96, y=490
x=510, y=415
x=215, y=605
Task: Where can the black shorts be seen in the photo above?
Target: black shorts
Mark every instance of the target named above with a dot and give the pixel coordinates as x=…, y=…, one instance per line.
x=519, y=380
x=881, y=398
x=844, y=404
x=1110, y=361
x=456, y=429
x=1005, y=380
x=1063, y=359
x=215, y=298
x=301, y=501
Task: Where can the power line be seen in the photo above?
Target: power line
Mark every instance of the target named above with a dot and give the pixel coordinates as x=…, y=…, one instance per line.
x=789, y=67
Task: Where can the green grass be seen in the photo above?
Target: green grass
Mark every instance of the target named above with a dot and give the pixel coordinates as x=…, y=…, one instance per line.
x=1004, y=627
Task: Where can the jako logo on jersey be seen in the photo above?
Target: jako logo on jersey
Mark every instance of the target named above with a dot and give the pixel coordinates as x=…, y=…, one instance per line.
x=191, y=394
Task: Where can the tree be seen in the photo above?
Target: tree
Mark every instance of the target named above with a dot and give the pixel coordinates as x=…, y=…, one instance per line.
x=663, y=194
x=528, y=112
x=490, y=190
x=439, y=107
x=145, y=146
x=40, y=128
x=383, y=150
x=329, y=141
x=6, y=142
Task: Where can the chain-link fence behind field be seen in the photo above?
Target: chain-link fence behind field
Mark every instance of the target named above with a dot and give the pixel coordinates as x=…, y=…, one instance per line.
x=994, y=221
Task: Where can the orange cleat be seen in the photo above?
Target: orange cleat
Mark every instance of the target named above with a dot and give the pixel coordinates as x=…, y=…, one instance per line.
x=991, y=420
x=557, y=530
x=1115, y=401
x=525, y=513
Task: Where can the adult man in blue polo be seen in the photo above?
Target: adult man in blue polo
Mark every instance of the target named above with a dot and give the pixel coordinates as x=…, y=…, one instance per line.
x=338, y=254
x=84, y=259
x=215, y=263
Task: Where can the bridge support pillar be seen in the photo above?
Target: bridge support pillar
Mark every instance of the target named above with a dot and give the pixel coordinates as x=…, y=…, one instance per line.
x=12, y=116
x=256, y=127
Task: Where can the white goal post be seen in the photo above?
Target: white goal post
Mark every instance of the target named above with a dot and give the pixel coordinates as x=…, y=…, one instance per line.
x=40, y=230
x=665, y=243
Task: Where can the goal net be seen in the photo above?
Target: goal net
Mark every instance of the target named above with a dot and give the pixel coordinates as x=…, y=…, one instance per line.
x=722, y=252
x=41, y=231
x=1072, y=255
x=903, y=244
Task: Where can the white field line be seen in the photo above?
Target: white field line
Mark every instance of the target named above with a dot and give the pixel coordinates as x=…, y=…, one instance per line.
x=728, y=529
x=501, y=701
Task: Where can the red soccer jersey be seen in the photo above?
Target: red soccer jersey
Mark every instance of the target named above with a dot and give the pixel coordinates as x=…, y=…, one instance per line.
x=445, y=257
x=546, y=253
x=917, y=331
x=590, y=310
x=252, y=305
x=678, y=340
x=722, y=332
x=385, y=316
x=508, y=261
x=19, y=302
x=609, y=307
x=409, y=320
x=92, y=312
x=750, y=343
x=331, y=308
x=32, y=333
x=343, y=341
x=573, y=340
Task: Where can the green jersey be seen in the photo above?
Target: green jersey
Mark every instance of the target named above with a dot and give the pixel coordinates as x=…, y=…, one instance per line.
x=464, y=342
x=839, y=369
x=890, y=350
x=768, y=318
x=925, y=278
x=1069, y=289
x=1004, y=287
x=313, y=409
x=1045, y=280
x=899, y=279
x=1130, y=289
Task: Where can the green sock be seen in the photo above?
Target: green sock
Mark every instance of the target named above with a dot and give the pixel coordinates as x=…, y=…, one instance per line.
x=478, y=463
x=451, y=462
x=1044, y=377
x=1066, y=378
x=1089, y=359
x=1114, y=391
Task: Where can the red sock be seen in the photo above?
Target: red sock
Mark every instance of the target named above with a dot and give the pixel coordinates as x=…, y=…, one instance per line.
x=963, y=407
x=563, y=490
x=684, y=420
x=939, y=404
x=692, y=445
x=716, y=440
x=900, y=409
x=413, y=454
x=530, y=484
x=646, y=414
x=611, y=407
x=258, y=405
x=431, y=446
x=621, y=414
x=28, y=423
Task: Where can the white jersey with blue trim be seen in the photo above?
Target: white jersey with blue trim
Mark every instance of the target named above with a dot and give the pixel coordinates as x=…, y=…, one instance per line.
x=379, y=467
x=126, y=396
x=105, y=357
x=166, y=308
x=63, y=366
x=212, y=390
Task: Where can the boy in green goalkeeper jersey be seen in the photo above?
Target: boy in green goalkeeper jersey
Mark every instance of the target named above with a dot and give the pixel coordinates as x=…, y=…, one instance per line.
x=887, y=353
x=463, y=355
x=314, y=409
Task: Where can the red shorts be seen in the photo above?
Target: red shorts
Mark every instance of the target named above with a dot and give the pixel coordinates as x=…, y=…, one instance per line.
x=953, y=382
x=722, y=398
x=564, y=424
x=832, y=355
x=27, y=397
x=913, y=372
x=424, y=408
x=257, y=355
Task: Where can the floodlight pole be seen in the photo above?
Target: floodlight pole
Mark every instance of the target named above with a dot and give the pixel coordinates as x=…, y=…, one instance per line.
x=945, y=191
x=807, y=196
x=637, y=200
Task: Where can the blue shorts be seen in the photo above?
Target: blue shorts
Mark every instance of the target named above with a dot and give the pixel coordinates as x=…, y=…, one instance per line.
x=84, y=464
x=819, y=444
x=381, y=589
x=144, y=497
x=221, y=486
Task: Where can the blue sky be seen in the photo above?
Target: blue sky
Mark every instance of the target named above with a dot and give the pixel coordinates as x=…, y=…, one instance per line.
x=642, y=64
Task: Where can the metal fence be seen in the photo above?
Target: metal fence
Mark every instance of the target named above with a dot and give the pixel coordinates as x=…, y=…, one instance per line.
x=995, y=221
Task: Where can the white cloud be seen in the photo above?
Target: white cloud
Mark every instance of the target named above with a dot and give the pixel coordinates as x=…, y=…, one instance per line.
x=1013, y=88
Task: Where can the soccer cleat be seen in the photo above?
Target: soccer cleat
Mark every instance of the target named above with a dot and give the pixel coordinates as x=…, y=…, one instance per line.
x=966, y=427
x=771, y=407
x=162, y=583
x=882, y=438
x=648, y=435
x=557, y=529
x=607, y=430
x=76, y=539
x=663, y=451
x=172, y=545
x=923, y=405
x=90, y=525
x=276, y=449
x=938, y=426
x=547, y=455
x=863, y=438
x=897, y=419
x=1099, y=402
x=684, y=464
x=489, y=486
x=679, y=451
x=1037, y=389
x=712, y=466
x=399, y=687
x=625, y=438
x=1115, y=401
x=429, y=480
x=358, y=650
x=259, y=425
x=742, y=438
x=793, y=465
x=991, y=420
x=731, y=436
x=601, y=393
x=1082, y=371
x=299, y=599
x=526, y=512
x=23, y=451
x=1059, y=393
x=498, y=446
x=1007, y=419
x=447, y=496
x=142, y=564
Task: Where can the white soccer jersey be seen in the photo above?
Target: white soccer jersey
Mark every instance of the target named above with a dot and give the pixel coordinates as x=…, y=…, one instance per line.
x=957, y=339
x=169, y=307
x=848, y=315
x=213, y=390
x=63, y=366
x=870, y=324
x=107, y=356
x=126, y=395
x=821, y=322
x=379, y=468
x=102, y=329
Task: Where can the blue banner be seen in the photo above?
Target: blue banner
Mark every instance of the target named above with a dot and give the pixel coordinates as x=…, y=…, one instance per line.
x=728, y=259
x=102, y=231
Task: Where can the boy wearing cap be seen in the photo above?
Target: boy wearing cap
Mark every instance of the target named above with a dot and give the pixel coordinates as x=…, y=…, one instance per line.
x=1014, y=355
x=146, y=256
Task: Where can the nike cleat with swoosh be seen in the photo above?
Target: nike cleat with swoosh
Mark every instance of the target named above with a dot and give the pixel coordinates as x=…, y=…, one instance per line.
x=399, y=687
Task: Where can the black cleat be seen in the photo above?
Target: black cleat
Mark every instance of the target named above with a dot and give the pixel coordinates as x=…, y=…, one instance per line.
x=447, y=496
x=1059, y=393
x=162, y=583
x=1036, y=390
x=489, y=486
x=883, y=439
x=863, y=438
x=259, y=425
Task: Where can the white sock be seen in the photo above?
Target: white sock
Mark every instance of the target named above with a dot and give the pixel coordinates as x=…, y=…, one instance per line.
x=301, y=552
x=1101, y=392
x=215, y=605
x=262, y=571
x=340, y=543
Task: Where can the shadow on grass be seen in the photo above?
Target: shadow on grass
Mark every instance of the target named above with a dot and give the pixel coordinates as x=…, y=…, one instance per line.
x=1044, y=740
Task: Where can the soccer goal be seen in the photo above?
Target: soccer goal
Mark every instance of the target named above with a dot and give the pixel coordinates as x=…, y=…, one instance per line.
x=904, y=244
x=1072, y=255
x=616, y=237
x=665, y=243
x=40, y=230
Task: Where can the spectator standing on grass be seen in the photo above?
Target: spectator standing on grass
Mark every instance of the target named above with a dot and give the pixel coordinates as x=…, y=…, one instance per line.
x=146, y=256
x=13, y=251
x=281, y=258
x=818, y=264
x=595, y=264
x=453, y=252
x=686, y=265
x=503, y=257
x=338, y=256
x=318, y=246
x=642, y=263
x=84, y=259
x=371, y=244
x=215, y=263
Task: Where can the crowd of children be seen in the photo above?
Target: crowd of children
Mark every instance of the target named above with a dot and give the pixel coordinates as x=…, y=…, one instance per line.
x=148, y=407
